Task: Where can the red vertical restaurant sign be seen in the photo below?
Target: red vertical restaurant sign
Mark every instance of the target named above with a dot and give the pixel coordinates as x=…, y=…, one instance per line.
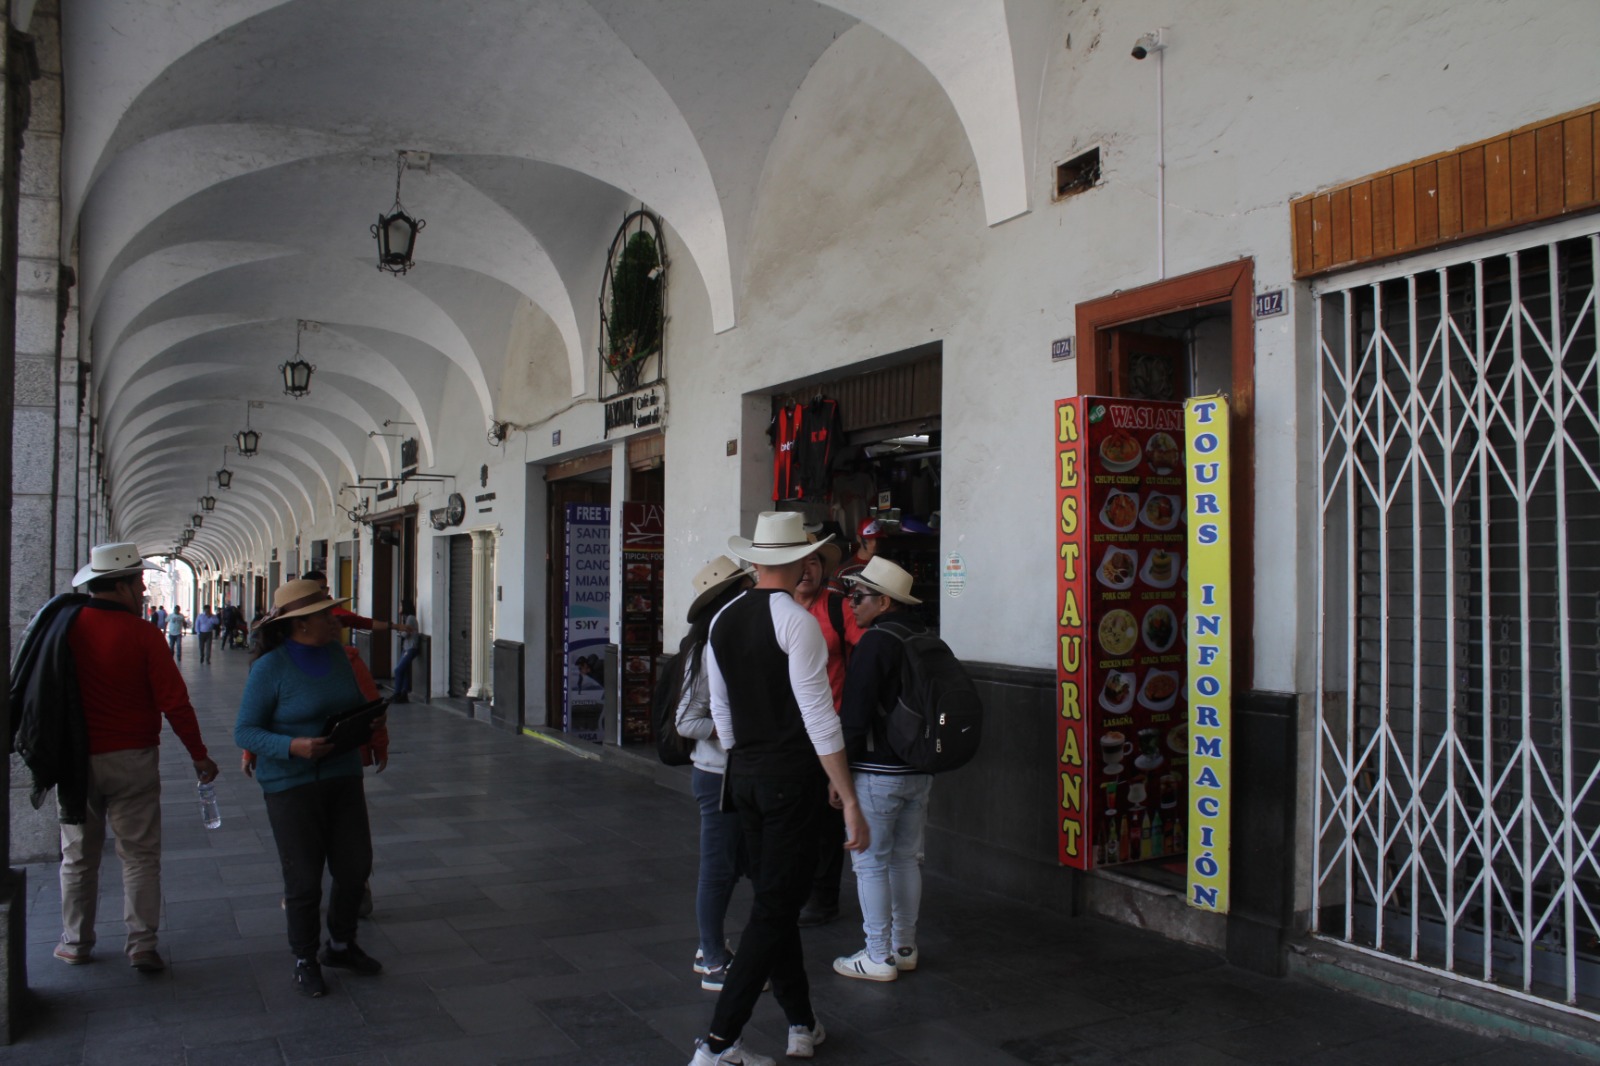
x=1120, y=600
x=1071, y=729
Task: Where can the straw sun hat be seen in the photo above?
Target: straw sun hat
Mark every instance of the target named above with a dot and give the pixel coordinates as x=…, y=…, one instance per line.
x=121, y=559
x=886, y=579
x=713, y=577
x=780, y=538
x=299, y=597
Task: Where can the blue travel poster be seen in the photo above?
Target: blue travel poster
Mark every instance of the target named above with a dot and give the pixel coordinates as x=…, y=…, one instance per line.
x=587, y=599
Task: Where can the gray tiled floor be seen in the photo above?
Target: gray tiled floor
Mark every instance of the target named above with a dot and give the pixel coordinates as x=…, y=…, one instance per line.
x=537, y=907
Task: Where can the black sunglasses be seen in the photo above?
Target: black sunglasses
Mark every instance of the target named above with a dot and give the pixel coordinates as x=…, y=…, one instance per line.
x=857, y=596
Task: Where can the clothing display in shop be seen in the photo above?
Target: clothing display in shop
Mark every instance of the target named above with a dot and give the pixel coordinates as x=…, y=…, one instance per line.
x=806, y=441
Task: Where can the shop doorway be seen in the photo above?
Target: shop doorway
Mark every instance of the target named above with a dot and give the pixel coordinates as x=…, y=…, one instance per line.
x=1189, y=336
x=585, y=480
x=876, y=485
x=460, y=645
x=1186, y=337
x=394, y=546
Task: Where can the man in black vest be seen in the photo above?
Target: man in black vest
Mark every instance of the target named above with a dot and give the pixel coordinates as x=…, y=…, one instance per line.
x=767, y=665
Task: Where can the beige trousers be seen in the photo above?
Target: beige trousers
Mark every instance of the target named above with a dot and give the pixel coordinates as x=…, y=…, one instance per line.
x=124, y=787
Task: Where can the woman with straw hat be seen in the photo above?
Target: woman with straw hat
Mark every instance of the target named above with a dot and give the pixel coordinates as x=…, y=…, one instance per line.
x=717, y=583
x=314, y=798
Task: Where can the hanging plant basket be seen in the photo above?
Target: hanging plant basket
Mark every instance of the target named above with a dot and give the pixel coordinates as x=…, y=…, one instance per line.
x=633, y=304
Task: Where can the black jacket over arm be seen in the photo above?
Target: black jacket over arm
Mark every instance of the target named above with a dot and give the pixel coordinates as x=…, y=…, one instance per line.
x=47, y=727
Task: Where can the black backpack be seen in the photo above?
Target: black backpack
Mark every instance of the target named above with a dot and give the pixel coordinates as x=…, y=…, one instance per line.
x=673, y=748
x=937, y=722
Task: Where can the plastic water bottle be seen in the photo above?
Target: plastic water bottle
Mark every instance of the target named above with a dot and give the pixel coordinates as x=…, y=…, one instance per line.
x=210, y=813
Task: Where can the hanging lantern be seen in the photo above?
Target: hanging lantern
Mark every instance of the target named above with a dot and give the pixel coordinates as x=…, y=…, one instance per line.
x=209, y=503
x=224, y=478
x=246, y=440
x=297, y=373
x=196, y=520
x=396, y=232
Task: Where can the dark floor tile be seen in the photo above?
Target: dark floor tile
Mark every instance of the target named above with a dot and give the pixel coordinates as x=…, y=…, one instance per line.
x=262, y=1052
x=596, y=1021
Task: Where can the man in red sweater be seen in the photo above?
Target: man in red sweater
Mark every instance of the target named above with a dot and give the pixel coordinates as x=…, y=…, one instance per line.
x=127, y=681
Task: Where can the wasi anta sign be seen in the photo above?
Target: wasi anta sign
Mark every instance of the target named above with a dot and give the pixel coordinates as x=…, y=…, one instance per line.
x=1210, y=662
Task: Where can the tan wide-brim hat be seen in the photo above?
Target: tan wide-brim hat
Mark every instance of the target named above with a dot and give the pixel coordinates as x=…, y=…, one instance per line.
x=780, y=538
x=713, y=577
x=830, y=551
x=886, y=579
x=299, y=597
x=113, y=560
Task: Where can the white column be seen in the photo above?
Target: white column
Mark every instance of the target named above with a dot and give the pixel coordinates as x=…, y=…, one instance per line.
x=483, y=591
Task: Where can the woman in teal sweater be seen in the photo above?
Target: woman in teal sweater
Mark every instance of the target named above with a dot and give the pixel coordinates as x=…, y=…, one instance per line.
x=315, y=800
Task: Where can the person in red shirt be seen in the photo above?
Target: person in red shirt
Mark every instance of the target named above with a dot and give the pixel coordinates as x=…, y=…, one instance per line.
x=127, y=682
x=840, y=632
x=349, y=619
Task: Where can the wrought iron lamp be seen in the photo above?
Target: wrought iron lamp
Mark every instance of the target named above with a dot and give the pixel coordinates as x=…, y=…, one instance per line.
x=297, y=372
x=247, y=439
x=208, y=504
x=224, y=475
x=396, y=232
x=196, y=520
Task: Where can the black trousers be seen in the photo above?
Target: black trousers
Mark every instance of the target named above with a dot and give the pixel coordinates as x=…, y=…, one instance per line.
x=321, y=824
x=778, y=817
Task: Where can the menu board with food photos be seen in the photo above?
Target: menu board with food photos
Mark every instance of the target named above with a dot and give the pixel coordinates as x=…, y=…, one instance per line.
x=643, y=538
x=1121, y=607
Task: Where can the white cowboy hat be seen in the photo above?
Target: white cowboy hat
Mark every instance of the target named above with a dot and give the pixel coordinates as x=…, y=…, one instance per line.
x=713, y=577
x=780, y=538
x=299, y=597
x=113, y=560
x=886, y=579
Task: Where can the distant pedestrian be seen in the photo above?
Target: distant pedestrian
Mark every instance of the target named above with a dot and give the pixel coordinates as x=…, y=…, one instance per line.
x=93, y=660
x=206, y=624
x=410, y=642
x=176, y=624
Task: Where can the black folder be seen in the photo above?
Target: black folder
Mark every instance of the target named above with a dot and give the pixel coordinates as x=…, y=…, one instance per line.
x=353, y=728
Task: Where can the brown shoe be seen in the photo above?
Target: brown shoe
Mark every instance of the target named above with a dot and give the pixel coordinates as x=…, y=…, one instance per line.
x=147, y=962
x=73, y=956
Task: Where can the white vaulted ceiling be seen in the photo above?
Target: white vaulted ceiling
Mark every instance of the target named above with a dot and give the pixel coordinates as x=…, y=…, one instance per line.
x=223, y=160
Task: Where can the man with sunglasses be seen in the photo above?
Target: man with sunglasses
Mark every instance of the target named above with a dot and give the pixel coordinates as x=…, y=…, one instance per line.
x=893, y=796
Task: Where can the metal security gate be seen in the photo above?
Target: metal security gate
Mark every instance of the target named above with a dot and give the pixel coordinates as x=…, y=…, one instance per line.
x=1458, y=744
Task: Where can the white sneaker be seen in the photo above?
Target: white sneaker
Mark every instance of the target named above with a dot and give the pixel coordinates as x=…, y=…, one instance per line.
x=735, y=1054
x=803, y=1042
x=867, y=969
x=905, y=959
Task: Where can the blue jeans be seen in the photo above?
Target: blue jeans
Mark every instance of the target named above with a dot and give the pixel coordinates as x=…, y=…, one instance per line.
x=721, y=862
x=889, y=872
x=402, y=672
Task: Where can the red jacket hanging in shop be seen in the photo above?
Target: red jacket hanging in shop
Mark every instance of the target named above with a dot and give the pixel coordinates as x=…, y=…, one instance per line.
x=787, y=426
x=807, y=439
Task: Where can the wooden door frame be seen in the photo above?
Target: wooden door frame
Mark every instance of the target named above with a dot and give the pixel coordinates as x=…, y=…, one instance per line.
x=1232, y=284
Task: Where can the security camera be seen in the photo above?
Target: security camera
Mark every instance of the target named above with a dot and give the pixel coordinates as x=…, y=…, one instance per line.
x=1150, y=42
